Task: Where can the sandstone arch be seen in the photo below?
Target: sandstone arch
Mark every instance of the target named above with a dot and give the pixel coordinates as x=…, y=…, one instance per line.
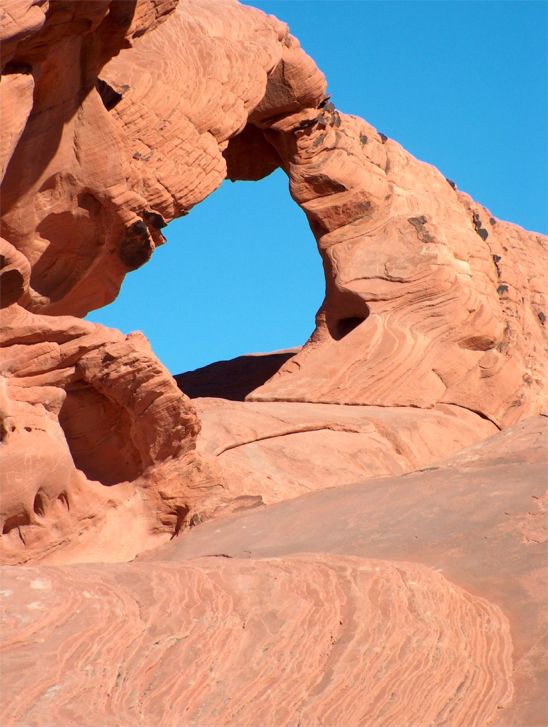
x=432, y=325
x=430, y=302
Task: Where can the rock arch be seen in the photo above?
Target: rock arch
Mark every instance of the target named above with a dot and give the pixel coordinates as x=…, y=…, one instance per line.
x=429, y=300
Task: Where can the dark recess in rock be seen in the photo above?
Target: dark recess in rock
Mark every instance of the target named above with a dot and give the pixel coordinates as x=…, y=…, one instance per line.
x=16, y=67
x=344, y=326
x=233, y=379
x=418, y=221
x=154, y=219
x=476, y=221
x=249, y=156
x=109, y=96
x=136, y=247
x=422, y=233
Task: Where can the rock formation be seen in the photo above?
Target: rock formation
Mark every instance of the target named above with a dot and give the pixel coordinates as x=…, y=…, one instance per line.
x=406, y=600
x=430, y=340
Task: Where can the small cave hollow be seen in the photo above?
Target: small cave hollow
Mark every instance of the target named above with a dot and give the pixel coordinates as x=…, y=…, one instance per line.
x=109, y=96
x=340, y=328
x=98, y=433
x=71, y=243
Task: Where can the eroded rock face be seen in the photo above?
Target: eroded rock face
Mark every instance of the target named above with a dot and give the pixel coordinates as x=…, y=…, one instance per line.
x=429, y=298
x=430, y=338
x=64, y=162
x=104, y=151
x=85, y=408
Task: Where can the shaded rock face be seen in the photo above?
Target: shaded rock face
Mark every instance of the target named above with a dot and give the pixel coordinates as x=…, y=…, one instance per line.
x=427, y=574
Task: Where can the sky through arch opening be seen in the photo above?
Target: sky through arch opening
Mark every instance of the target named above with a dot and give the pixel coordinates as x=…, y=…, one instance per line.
x=239, y=274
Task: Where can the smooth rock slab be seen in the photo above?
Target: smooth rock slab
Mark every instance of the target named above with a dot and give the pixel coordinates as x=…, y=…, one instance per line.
x=479, y=518
x=280, y=450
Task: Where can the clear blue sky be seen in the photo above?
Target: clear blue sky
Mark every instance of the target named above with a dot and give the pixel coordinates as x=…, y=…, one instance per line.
x=459, y=84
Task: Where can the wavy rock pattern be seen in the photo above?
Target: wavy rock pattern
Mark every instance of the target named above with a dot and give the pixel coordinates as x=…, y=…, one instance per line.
x=123, y=114
x=66, y=169
x=474, y=518
x=414, y=314
x=372, y=643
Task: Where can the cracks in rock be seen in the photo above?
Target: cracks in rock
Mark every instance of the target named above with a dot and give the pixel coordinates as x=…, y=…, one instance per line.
x=480, y=230
x=333, y=427
x=479, y=413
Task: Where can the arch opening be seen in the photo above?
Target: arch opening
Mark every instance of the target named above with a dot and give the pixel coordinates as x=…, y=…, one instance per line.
x=240, y=274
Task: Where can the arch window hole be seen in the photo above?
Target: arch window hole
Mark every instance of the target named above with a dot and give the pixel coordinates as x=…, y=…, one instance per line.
x=239, y=274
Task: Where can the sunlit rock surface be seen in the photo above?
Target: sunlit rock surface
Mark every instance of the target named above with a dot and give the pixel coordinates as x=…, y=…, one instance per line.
x=278, y=450
x=390, y=568
x=407, y=600
x=219, y=653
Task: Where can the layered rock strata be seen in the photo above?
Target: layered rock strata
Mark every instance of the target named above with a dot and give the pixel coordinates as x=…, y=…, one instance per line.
x=220, y=654
x=413, y=597
x=279, y=616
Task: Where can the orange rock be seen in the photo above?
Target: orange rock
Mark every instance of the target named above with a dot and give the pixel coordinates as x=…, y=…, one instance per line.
x=303, y=640
x=85, y=408
x=478, y=518
x=416, y=596
x=278, y=450
x=428, y=298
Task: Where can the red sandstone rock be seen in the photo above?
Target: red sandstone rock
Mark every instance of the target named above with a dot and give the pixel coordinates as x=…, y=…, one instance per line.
x=65, y=161
x=478, y=518
x=415, y=313
x=278, y=450
x=333, y=608
x=219, y=654
x=92, y=425
x=430, y=338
